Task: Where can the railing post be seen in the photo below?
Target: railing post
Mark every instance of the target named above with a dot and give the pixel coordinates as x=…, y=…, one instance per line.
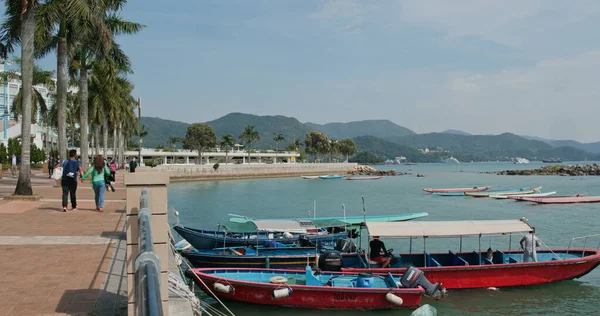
x=147, y=252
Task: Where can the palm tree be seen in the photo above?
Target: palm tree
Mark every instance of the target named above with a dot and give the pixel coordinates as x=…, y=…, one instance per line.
x=173, y=141
x=19, y=27
x=227, y=141
x=38, y=104
x=277, y=138
x=248, y=137
x=58, y=24
x=92, y=49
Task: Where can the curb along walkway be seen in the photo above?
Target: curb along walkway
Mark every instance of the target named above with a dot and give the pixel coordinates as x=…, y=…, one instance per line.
x=56, y=263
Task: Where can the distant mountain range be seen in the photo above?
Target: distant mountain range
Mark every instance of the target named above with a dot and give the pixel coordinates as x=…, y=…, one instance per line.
x=384, y=139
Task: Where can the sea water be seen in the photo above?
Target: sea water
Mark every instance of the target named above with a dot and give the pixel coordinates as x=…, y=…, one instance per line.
x=206, y=204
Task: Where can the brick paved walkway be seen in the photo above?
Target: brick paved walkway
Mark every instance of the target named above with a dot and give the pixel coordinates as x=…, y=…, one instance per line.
x=56, y=263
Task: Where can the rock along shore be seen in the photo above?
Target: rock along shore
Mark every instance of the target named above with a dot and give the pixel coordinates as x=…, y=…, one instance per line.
x=584, y=170
x=366, y=170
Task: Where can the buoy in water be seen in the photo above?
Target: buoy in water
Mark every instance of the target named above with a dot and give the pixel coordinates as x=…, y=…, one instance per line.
x=394, y=299
x=280, y=293
x=278, y=279
x=223, y=288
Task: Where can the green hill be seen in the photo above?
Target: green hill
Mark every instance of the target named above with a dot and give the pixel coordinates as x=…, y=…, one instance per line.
x=159, y=130
x=388, y=150
x=234, y=123
x=377, y=128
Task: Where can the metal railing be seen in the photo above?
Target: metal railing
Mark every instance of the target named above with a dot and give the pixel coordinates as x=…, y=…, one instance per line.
x=147, y=265
x=585, y=238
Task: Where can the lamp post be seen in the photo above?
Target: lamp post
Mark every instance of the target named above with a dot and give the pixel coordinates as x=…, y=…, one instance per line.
x=139, y=104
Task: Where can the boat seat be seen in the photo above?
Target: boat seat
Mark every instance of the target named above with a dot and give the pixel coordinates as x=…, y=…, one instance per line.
x=456, y=260
x=512, y=260
x=390, y=282
x=431, y=262
x=373, y=264
x=311, y=279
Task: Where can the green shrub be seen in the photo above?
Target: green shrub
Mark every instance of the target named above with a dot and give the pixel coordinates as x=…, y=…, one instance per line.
x=216, y=166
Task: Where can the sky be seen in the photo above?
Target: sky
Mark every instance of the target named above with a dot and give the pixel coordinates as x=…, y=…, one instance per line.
x=485, y=67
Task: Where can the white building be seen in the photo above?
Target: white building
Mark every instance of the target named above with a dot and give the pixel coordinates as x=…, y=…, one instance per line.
x=40, y=136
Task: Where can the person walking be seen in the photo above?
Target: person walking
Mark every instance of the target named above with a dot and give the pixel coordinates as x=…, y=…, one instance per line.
x=51, y=165
x=132, y=165
x=98, y=172
x=71, y=170
x=13, y=165
x=113, y=170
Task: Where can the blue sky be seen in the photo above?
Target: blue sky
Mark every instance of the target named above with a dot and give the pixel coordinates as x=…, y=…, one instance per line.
x=527, y=67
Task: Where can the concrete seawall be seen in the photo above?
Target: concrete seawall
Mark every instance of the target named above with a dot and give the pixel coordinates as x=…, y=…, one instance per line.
x=247, y=171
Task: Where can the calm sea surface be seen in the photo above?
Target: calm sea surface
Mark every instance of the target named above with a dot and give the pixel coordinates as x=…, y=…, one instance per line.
x=205, y=204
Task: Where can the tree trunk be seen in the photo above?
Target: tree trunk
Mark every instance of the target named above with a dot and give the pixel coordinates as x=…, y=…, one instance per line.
x=115, y=139
x=120, y=145
x=92, y=141
x=27, y=32
x=105, y=136
x=83, y=111
x=61, y=89
x=97, y=131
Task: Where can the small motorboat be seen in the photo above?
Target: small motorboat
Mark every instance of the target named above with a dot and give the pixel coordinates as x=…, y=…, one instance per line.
x=563, y=200
x=182, y=245
x=477, y=268
x=521, y=191
x=523, y=197
x=448, y=193
x=236, y=257
x=316, y=290
x=344, y=220
x=458, y=190
x=310, y=177
x=506, y=196
x=331, y=177
x=364, y=178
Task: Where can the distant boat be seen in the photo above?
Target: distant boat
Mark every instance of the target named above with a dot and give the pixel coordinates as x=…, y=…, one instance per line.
x=331, y=177
x=310, y=177
x=364, y=178
x=451, y=160
x=522, y=195
x=563, y=200
x=473, y=189
x=520, y=160
x=350, y=220
x=552, y=160
x=527, y=196
x=504, y=192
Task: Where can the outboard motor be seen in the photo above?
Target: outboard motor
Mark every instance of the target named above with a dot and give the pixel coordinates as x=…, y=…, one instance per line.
x=414, y=277
x=345, y=245
x=330, y=261
x=303, y=241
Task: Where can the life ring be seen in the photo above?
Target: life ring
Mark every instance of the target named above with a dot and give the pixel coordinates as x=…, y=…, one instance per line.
x=278, y=279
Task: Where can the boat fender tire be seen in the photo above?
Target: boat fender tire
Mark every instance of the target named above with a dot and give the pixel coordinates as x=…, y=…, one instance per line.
x=278, y=279
x=281, y=293
x=222, y=288
x=394, y=299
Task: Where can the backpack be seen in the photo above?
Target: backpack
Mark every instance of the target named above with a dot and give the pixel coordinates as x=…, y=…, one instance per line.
x=70, y=168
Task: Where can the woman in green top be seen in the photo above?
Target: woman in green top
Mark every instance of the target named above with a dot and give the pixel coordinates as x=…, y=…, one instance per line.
x=98, y=171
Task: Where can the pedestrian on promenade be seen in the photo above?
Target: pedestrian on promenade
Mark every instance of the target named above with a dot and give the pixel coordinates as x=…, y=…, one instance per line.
x=98, y=172
x=71, y=171
x=132, y=165
x=107, y=178
x=51, y=165
x=113, y=170
x=13, y=165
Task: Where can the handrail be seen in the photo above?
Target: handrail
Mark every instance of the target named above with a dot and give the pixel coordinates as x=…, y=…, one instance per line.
x=584, y=243
x=147, y=265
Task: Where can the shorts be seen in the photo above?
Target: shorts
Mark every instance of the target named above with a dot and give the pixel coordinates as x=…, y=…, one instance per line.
x=379, y=259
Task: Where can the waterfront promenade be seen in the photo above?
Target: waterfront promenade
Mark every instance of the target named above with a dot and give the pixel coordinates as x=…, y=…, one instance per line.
x=56, y=263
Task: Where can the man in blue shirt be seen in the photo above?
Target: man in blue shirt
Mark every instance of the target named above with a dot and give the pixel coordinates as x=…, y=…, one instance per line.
x=71, y=171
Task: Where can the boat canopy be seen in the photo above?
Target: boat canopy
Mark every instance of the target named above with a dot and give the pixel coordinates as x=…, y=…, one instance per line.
x=447, y=228
x=291, y=226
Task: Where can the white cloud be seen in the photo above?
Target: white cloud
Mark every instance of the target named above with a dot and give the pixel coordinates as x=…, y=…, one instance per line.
x=555, y=98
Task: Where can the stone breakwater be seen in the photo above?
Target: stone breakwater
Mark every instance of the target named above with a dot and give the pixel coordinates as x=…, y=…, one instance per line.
x=584, y=170
x=366, y=170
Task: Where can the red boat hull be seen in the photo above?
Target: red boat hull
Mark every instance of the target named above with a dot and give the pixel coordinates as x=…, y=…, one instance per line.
x=312, y=297
x=503, y=275
x=476, y=189
x=564, y=200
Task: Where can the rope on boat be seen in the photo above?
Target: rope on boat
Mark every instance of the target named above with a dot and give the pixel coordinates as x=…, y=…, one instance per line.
x=205, y=286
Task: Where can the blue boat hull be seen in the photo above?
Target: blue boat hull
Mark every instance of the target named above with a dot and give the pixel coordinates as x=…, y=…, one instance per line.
x=275, y=258
x=208, y=239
